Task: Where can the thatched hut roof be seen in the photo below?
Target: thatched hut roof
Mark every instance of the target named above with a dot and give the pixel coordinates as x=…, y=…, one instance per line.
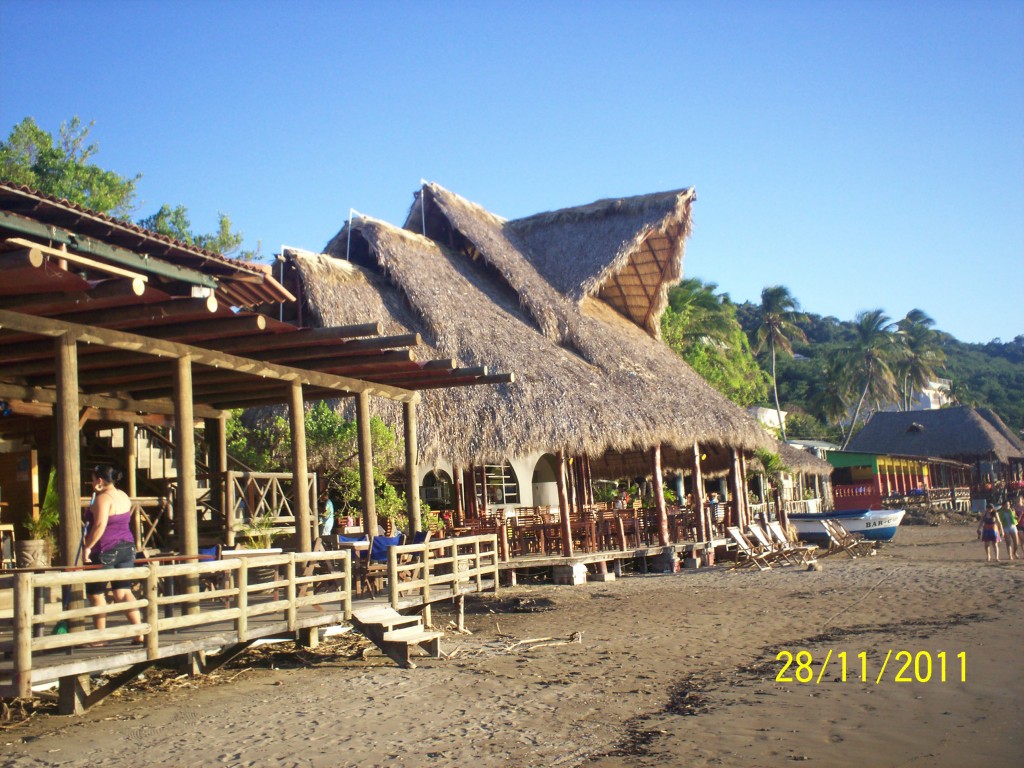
x=799, y=460
x=967, y=434
x=588, y=379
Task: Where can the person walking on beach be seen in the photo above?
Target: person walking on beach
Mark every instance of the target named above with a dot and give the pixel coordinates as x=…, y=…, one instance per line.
x=1012, y=534
x=990, y=532
x=110, y=542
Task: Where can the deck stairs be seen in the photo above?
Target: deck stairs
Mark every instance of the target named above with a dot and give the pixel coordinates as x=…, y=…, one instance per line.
x=397, y=635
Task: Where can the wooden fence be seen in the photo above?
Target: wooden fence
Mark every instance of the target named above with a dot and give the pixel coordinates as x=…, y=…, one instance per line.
x=227, y=609
x=451, y=565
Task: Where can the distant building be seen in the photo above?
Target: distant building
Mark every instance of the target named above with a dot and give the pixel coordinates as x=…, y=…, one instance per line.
x=975, y=436
x=769, y=417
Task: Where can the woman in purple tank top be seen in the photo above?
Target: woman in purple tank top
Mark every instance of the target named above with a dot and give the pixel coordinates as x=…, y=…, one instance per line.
x=109, y=542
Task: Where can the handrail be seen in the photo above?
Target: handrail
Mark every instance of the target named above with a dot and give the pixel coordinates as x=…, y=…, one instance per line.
x=415, y=569
x=234, y=597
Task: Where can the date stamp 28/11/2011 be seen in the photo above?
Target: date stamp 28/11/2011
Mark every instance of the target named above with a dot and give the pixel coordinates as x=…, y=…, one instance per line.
x=896, y=667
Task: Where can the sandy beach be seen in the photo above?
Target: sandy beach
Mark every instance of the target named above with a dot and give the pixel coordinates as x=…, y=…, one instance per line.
x=658, y=670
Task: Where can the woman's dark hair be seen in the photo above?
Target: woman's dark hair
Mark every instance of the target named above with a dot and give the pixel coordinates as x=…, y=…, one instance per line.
x=107, y=473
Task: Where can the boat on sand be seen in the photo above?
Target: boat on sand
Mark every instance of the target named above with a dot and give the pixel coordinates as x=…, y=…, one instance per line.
x=874, y=524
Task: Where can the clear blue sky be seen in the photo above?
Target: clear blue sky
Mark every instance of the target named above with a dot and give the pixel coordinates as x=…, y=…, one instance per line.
x=864, y=154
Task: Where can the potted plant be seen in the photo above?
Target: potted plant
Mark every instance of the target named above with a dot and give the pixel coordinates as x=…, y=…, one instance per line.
x=37, y=550
x=259, y=534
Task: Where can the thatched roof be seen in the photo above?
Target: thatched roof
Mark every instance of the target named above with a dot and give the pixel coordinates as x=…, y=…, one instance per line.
x=627, y=252
x=588, y=379
x=967, y=434
x=799, y=460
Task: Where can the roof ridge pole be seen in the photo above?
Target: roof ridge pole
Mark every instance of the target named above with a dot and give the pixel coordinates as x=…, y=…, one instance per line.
x=348, y=243
x=423, y=207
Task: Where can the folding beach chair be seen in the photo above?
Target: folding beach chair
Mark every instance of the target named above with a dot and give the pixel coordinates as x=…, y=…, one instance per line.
x=768, y=547
x=804, y=553
x=747, y=554
x=853, y=543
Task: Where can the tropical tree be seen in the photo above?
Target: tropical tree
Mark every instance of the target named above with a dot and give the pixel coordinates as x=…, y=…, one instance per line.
x=776, y=328
x=831, y=394
x=920, y=354
x=174, y=222
x=63, y=167
x=870, y=359
x=700, y=325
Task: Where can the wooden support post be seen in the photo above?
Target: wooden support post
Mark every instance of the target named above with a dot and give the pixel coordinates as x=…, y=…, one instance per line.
x=153, y=612
x=72, y=694
x=704, y=531
x=186, y=513
x=659, y=496
x=242, y=581
x=24, y=604
x=412, y=472
x=459, y=513
x=300, y=488
x=366, y=464
x=563, y=505
x=217, y=450
x=472, y=510
x=736, y=490
x=130, y=462
x=503, y=540
x=69, y=472
x=482, y=510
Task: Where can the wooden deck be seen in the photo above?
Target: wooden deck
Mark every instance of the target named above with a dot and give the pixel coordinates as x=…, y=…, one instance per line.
x=248, y=598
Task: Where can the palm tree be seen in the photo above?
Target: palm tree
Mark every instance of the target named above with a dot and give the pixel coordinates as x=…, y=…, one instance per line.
x=697, y=315
x=869, y=359
x=920, y=356
x=832, y=392
x=778, y=311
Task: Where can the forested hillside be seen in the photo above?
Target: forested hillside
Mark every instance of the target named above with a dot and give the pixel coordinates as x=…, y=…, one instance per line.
x=989, y=375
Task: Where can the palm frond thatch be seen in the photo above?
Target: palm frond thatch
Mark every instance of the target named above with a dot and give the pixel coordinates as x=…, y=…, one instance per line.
x=589, y=380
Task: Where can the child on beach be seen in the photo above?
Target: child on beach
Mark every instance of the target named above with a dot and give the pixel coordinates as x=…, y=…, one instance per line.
x=990, y=532
x=1008, y=518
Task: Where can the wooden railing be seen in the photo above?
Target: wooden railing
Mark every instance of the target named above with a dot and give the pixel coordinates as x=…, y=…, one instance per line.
x=455, y=563
x=234, y=599
x=260, y=494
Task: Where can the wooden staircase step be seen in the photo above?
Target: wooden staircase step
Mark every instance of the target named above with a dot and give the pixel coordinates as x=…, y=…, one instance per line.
x=385, y=618
x=412, y=635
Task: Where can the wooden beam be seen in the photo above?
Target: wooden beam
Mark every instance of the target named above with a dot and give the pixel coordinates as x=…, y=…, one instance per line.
x=242, y=324
x=19, y=258
x=497, y=378
x=105, y=293
x=123, y=407
x=123, y=256
x=143, y=314
x=75, y=258
x=161, y=348
x=298, y=338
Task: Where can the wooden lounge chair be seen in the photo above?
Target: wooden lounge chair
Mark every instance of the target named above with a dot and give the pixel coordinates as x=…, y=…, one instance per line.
x=767, y=546
x=747, y=554
x=853, y=543
x=804, y=553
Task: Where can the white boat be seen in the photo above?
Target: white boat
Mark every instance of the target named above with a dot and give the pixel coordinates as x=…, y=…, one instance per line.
x=875, y=524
